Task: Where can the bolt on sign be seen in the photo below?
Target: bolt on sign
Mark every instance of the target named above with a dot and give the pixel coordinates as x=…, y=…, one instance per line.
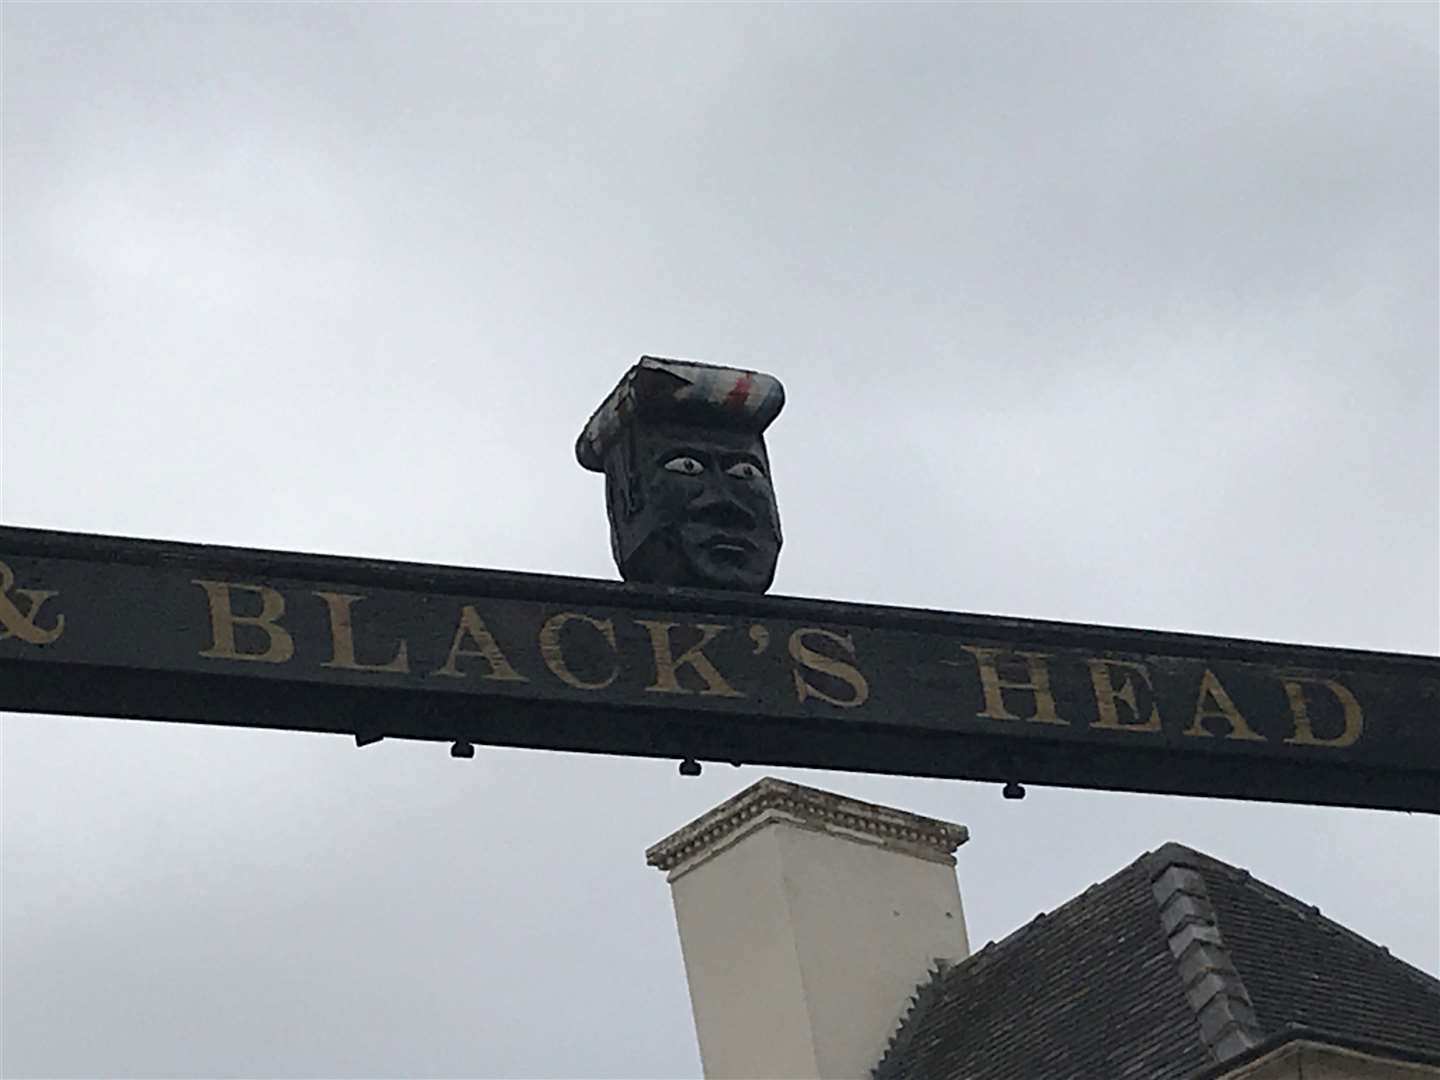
x=688, y=659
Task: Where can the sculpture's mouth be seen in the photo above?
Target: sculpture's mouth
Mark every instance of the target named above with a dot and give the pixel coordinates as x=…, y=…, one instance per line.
x=730, y=549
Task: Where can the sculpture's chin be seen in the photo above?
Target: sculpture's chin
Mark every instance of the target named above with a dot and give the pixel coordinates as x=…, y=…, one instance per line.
x=709, y=571
x=668, y=561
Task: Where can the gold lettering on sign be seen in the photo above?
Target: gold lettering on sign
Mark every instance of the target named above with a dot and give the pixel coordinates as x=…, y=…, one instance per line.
x=223, y=621
x=555, y=658
x=994, y=686
x=827, y=665
x=1106, y=696
x=22, y=624
x=667, y=664
x=342, y=637
x=1304, y=731
x=1211, y=691
x=473, y=627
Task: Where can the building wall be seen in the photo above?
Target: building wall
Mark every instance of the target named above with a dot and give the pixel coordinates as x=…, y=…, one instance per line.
x=745, y=987
x=802, y=949
x=870, y=923
x=1314, y=1061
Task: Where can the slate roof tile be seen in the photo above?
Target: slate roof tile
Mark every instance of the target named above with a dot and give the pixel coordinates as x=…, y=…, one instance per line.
x=1174, y=962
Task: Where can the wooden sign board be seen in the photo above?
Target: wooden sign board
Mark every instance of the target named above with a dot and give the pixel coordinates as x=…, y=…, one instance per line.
x=103, y=626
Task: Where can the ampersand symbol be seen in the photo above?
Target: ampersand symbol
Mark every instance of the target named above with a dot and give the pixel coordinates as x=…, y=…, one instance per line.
x=21, y=624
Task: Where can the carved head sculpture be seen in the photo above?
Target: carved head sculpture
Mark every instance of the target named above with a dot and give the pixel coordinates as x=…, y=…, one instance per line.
x=687, y=478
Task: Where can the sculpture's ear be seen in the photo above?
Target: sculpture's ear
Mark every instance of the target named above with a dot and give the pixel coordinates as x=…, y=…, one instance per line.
x=633, y=491
x=624, y=493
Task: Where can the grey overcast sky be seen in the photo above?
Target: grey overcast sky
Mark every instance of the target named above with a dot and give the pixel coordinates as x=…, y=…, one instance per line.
x=1120, y=314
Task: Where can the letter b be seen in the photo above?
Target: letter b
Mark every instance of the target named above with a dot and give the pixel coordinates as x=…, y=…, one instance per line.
x=223, y=620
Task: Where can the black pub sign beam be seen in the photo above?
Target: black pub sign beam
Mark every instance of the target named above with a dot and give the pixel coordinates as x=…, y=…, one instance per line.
x=688, y=659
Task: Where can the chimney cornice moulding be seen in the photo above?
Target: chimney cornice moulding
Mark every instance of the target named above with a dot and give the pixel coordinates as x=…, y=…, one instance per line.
x=779, y=801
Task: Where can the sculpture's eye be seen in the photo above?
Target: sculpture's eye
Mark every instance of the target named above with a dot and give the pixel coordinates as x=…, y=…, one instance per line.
x=744, y=470
x=687, y=465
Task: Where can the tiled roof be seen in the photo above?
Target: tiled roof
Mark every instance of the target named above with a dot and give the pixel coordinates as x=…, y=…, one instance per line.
x=1176, y=962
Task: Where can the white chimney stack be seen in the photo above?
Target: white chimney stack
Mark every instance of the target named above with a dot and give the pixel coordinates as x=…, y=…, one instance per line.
x=807, y=920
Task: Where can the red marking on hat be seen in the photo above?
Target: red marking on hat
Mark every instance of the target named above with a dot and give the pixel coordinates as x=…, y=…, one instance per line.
x=740, y=392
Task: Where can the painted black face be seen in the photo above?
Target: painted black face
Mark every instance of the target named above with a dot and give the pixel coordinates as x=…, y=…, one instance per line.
x=706, y=513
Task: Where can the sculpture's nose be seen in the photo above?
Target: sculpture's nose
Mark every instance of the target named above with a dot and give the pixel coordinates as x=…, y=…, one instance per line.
x=720, y=509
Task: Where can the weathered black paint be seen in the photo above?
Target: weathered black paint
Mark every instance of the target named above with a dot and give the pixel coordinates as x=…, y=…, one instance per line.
x=777, y=682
